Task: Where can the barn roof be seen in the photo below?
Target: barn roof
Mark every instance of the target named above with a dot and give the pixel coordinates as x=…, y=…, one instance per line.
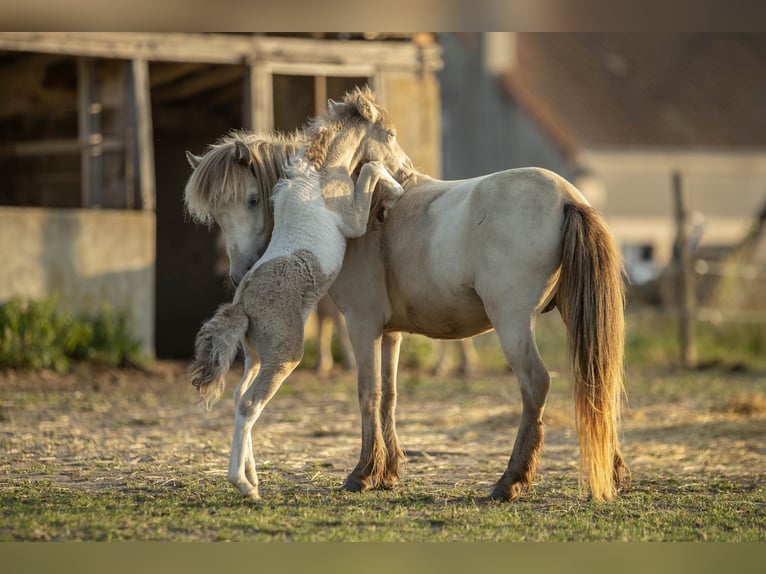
x=621, y=90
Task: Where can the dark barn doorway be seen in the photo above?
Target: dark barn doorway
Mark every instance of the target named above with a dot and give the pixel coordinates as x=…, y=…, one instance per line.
x=193, y=105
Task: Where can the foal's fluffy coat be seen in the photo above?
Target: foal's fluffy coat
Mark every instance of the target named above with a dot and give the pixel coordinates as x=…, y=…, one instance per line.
x=276, y=296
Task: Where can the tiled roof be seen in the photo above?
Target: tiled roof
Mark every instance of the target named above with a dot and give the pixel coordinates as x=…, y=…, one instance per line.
x=616, y=90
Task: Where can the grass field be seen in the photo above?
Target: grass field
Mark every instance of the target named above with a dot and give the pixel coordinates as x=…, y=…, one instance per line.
x=108, y=454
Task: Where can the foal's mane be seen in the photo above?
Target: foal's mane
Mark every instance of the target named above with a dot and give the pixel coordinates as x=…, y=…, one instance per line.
x=321, y=130
x=220, y=178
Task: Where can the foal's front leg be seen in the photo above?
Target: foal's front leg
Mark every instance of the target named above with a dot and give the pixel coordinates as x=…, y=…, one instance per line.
x=354, y=219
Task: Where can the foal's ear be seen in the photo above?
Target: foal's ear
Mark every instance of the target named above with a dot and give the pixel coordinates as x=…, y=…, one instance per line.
x=366, y=108
x=242, y=153
x=194, y=160
x=332, y=103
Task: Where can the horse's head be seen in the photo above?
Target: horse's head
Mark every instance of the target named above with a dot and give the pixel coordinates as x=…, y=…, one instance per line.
x=364, y=129
x=231, y=186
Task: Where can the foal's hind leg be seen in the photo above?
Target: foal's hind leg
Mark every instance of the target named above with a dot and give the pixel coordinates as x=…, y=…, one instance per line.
x=517, y=339
x=252, y=365
x=281, y=351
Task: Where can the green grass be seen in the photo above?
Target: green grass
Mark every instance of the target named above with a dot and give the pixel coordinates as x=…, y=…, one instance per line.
x=208, y=510
x=694, y=440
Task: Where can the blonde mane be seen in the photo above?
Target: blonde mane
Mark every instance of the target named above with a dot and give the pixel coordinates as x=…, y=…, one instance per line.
x=220, y=178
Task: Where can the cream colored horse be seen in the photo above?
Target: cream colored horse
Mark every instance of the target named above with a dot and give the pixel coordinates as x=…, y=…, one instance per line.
x=317, y=206
x=457, y=258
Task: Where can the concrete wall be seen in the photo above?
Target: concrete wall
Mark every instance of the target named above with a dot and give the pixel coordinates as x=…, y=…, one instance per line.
x=87, y=257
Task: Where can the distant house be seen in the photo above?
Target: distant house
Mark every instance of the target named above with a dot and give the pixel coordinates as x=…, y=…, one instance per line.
x=618, y=114
x=93, y=129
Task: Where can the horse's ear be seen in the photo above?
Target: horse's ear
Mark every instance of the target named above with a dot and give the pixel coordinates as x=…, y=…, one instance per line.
x=242, y=153
x=332, y=103
x=194, y=160
x=366, y=108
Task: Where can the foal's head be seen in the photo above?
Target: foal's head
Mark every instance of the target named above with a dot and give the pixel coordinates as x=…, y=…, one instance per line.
x=355, y=131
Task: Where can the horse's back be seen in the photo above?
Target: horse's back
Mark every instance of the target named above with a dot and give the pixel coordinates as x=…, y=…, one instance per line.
x=449, y=244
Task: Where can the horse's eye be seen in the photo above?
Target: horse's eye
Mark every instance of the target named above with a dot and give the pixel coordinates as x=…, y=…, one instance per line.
x=253, y=200
x=391, y=134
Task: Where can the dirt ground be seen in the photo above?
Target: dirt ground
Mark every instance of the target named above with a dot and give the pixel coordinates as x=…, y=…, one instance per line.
x=98, y=428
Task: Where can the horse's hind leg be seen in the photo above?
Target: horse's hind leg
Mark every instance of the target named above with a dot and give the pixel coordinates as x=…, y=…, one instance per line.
x=517, y=339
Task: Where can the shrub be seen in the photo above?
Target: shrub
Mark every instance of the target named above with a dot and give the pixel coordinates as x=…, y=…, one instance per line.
x=38, y=335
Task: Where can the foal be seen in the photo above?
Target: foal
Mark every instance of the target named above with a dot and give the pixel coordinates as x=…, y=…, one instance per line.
x=317, y=207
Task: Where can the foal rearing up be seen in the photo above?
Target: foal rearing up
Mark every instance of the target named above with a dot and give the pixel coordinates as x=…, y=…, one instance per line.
x=317, y=206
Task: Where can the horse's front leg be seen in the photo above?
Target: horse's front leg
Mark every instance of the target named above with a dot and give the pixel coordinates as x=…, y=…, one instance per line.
x=370, y=469
x=390, y=364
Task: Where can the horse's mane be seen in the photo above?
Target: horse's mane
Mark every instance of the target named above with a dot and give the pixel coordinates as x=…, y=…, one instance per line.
x=220, y=178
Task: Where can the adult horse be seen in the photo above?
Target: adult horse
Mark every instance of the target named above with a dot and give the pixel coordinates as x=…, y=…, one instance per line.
x=457, y=258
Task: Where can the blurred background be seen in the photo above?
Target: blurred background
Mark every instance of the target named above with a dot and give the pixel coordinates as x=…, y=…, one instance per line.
x=665, y=134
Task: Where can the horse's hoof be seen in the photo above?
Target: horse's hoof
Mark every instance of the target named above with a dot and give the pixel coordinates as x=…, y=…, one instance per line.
x=507, y=494
x=352, y=486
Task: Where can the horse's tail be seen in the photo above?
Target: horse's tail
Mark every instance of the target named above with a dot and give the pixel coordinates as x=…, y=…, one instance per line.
x=215, y=349
x=591, y=298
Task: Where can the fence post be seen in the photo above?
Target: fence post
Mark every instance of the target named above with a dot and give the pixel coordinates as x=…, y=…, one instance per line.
x=685, y=273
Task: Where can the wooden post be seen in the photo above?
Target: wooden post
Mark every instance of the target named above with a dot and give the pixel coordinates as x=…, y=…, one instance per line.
x=685, y=273
x=320, y=94
x=143, y=133
x=90, y=136
x=259, y=99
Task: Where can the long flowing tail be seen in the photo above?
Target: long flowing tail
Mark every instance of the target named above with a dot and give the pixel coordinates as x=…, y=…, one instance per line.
x=591, y=298
x=215, y=349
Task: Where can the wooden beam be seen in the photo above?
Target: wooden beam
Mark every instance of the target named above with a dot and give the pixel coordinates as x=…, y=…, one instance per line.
x=226, y=48
x=143, y=133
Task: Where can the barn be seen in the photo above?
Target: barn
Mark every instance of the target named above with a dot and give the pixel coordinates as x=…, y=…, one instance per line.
x=93, y=129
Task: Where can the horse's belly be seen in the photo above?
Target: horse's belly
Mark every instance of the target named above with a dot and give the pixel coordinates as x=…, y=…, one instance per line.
x=437, y=312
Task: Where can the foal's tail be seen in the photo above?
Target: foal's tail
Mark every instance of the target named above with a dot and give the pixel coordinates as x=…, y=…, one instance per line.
x=591, y=298
x=215, y=349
